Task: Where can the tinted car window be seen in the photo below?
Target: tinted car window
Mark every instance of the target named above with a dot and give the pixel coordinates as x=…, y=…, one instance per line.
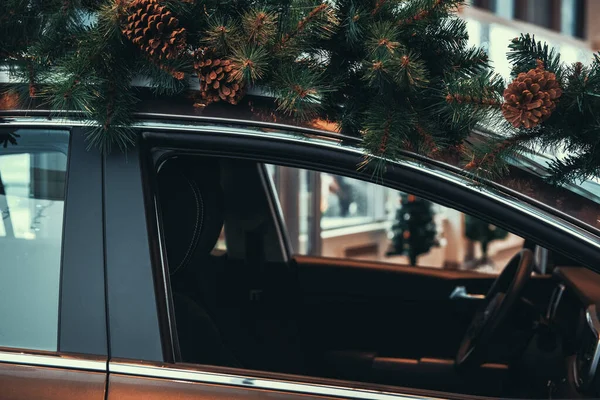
x=32, y=192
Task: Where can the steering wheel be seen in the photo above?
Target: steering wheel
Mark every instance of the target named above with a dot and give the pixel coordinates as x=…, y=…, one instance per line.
x=497, y=306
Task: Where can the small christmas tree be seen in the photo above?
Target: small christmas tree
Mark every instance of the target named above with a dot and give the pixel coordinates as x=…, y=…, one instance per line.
x=414, y=231
x=484, y=233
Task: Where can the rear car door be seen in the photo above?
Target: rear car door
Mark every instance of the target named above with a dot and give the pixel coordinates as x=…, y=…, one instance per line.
x=53, y=342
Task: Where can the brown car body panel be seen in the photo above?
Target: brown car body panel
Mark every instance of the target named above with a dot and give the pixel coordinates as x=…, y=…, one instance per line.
x=125, y=387
x=29, y=382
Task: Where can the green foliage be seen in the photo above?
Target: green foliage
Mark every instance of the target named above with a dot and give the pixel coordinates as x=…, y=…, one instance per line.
x=573, y=130
x=398, y=73
x=299, y=90
x=414, y=231
x=525, y=51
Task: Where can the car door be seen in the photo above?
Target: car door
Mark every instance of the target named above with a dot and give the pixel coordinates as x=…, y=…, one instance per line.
x=142, y=346
x=53, y=342
x=145, y=357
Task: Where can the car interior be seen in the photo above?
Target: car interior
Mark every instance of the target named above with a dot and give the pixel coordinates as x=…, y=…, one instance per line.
x=257, y=307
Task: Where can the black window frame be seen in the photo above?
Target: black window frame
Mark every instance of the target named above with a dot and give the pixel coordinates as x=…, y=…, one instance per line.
x=158, y=144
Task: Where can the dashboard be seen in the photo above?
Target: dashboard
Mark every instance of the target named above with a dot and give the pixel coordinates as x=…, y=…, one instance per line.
x=574, y=309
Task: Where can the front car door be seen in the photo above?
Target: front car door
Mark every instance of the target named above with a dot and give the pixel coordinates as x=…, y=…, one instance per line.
x=145, y=356
x=53, y=342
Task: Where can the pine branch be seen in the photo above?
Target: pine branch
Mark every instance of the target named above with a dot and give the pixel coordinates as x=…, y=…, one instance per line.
x=525, y=51
x=321, y=20
x=299, y=91
x=221, y=35
x=470, y=62
x=250, y=63
x=423, y=10
x=352, y=24
x=489, y=158
x=572, y=169
x=383, y=40
x=378, y=5
x=387, y=130
x=484, y=89
x=411, y=72
x=260, y=26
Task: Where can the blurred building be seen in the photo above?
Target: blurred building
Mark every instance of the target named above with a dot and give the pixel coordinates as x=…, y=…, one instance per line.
x=569, y=26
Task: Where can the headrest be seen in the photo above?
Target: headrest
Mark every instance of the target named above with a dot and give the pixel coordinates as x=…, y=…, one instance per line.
x=191, y=204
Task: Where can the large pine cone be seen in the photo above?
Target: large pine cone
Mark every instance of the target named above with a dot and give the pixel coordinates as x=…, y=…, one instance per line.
x=154, y=29
x=531, y=97
x=217, y=78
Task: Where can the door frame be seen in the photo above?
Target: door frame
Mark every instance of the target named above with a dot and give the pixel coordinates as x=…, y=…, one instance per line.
x=80, y=364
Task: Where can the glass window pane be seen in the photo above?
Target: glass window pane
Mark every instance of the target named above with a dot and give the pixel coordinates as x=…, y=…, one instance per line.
x=32, y=191
x=365, y=221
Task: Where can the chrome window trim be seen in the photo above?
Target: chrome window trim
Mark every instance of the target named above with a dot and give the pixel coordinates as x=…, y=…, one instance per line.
x=275, y=210
x=88, y=363
x=165, y=372
x=556, y=221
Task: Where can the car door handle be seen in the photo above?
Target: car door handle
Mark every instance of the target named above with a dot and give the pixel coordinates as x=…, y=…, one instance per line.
x=460, y=292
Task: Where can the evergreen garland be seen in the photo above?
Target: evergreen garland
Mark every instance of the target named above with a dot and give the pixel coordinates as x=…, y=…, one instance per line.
x=397, y=73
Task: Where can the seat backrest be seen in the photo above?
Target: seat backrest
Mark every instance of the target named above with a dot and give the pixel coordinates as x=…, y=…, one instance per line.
x=192, y=207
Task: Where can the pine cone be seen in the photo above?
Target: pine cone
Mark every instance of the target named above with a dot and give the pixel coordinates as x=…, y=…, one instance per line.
x=217, y=78
x=531, y=97
x=154, y=29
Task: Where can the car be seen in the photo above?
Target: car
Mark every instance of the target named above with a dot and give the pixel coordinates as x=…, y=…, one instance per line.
x=170, y=270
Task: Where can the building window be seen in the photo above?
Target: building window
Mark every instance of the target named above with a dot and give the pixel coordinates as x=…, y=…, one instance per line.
x=565, y=16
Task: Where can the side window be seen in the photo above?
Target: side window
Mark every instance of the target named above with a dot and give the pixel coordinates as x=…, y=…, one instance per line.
x=33, y=169
x=341, y=217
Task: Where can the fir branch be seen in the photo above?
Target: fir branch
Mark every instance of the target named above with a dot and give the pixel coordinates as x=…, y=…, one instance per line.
x=386, y=130
x=299, y=91
x=260, y=26
x=221, y=35
x=525, y=51
x=321, y=19
x=427, y=143
x=489, y=158
x=572, y=169
x=378, y=73
x=166, y=78
x=250, y=63
x=352, y=23
x=470, y=62
x=378, y=5
x=484, y=89
x=112, y=113
x=383, y=40
x=411, y=72
x=422, y=10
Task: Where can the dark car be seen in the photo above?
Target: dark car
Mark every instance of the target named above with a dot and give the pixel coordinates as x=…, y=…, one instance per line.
x=175, y=269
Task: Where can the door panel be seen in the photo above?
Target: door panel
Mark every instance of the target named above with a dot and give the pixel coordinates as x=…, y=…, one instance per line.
x=354, y=311
x=148, y=388
x=26, y=382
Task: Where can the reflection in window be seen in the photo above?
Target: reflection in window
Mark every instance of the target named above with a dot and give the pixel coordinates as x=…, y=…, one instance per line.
x=362, y=220
x=32, y=191
x=350, y=202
